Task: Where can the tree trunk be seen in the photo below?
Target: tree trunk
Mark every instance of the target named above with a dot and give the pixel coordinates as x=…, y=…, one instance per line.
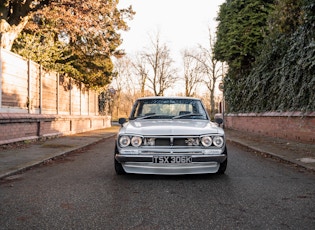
x=8, y=33
x=143, y=77
x=212, y=103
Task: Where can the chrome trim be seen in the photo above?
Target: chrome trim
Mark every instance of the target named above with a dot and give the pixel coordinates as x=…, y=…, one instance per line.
x=148, y=158
x=193, y=150
x=173, y=169
x=170, y=152
x=171, y=139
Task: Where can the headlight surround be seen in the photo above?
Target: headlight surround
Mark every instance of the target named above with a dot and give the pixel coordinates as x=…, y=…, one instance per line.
x=124, y=141
x=136, y=141
x=218, y=141
x=206, y=141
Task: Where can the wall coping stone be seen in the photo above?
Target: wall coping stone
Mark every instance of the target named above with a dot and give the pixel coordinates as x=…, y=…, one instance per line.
x=20, y=118
x=273, y=114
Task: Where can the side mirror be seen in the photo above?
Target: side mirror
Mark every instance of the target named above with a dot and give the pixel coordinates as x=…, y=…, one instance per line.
x=121, y=121
x=218, y=120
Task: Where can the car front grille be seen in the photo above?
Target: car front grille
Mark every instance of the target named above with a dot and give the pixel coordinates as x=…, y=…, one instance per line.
x=171, y=141
x=162, y=142
x=179, y=142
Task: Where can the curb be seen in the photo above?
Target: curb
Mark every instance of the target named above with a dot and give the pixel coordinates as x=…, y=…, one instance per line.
x=272, y=155
x=26, y=166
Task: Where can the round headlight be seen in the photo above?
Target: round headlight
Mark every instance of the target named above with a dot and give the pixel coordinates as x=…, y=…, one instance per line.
x=218, y=141
x=124, y=141
x=136, y=141
x=206, y=141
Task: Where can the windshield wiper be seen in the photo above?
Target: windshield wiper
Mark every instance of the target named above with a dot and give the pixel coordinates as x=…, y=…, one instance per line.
x=160, y=116
x=188, y=115
x=150, y=115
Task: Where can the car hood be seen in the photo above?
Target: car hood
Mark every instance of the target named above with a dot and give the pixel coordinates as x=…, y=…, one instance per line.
x=170, y=127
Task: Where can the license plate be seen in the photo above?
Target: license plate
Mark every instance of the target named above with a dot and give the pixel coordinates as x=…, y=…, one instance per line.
x=171, y=159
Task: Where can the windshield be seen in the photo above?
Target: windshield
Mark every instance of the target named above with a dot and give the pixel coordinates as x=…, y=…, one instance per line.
x=166, y=108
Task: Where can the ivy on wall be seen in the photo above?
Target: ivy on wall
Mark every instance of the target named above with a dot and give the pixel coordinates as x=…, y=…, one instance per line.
x=282, y=77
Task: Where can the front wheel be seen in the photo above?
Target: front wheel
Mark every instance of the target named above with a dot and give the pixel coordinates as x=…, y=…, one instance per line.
x=223, y=165
x=118, y=168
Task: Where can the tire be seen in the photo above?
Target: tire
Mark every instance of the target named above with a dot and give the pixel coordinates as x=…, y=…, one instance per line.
x=118, y=167
x=223, y=165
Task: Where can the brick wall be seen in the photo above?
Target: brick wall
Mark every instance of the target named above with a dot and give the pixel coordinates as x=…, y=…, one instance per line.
x=26, y=87
x=36, y=103
x=20, y=127
x=294, y=126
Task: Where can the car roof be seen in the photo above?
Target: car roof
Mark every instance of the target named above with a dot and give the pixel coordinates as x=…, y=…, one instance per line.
x=168, y=97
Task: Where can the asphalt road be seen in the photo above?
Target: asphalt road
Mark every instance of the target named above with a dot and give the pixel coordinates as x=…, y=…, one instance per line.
x=82, y=191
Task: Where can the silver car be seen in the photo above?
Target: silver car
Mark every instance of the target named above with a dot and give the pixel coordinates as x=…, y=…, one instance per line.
x=171, y=136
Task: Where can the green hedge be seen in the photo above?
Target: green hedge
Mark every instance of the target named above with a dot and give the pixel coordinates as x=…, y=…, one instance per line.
x=282, y=77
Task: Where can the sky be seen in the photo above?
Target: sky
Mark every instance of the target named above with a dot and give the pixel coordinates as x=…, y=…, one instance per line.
x=181, y=24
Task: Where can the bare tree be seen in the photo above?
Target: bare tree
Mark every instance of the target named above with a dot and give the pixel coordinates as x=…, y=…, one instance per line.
x=192, y=72
x=163, y=75
x=210, y=68
x=124, y=84
x=141, y=70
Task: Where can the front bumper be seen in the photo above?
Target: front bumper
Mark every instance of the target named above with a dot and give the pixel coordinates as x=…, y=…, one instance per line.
x=143, y=164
